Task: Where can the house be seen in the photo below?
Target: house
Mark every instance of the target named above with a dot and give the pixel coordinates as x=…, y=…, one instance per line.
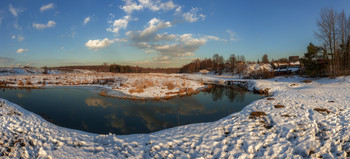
x=293, y=58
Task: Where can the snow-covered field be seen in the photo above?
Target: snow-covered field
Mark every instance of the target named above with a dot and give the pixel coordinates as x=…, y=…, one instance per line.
x=136, y=86
x=300, y=120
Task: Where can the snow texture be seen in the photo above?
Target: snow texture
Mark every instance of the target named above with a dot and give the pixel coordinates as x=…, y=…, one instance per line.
x=303, y=119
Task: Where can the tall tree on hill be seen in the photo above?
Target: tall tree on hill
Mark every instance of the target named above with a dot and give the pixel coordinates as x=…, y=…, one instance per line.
x=265, y=59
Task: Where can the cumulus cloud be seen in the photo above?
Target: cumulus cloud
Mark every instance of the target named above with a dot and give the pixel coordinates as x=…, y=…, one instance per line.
x=86, y=20
x=149, y=33
x=49, y=24
x=131, y=5
x=185, y=44
x=47, y=7
x=118, y=24
x=98, y=43
x=20, y=50
x=191, y=16
x=15, y=11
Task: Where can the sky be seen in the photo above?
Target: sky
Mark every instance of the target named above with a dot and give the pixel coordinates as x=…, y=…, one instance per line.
x=154, y=33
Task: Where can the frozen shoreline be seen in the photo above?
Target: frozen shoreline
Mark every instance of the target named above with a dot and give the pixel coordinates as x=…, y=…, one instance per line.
x=133, y=86
x=296, y=130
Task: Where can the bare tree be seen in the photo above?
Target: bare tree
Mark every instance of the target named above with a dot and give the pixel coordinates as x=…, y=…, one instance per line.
x=327, y=33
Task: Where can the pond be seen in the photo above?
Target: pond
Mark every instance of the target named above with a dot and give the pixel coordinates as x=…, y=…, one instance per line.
x=83, y=109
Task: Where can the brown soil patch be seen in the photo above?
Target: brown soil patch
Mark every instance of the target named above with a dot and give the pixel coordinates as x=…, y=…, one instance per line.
x=306, y=81
x=279, y=106
x=322, y=110
x=285, y=115
x=269, y=98
x=293, y=84
x=257, y=114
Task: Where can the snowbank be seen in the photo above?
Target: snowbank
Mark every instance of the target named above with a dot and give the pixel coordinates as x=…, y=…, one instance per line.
x=301, y=120
x=26, y=71
x=135, y=86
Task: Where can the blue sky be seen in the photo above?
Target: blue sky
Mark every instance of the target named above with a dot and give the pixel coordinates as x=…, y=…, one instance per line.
x=154, y=33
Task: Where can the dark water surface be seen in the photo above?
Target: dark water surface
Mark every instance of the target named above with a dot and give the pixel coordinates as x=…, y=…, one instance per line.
x=84, y=109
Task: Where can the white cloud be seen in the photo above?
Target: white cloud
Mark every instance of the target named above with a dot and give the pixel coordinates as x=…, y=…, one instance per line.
x=118, y=24
x=47, y=7
x=149, y=33
x=13, y=37
x=130, y=6
x=15, y=11
x=232, y=35
x=99, y=44
x=186, y=54
x=157, y=5
x=86, y=20
x=167, y=5
x=20, y=50
x=16, y=26
x=163, y=58
x=192, y=16
x=20, y=38
x=49, y=24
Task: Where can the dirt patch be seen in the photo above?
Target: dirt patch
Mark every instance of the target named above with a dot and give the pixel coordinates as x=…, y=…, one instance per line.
x=257, y=114
x=306, y=81
x=293, y=85
x=285, y=115
x=269, y=98
x=279, y=106
x=322, y=110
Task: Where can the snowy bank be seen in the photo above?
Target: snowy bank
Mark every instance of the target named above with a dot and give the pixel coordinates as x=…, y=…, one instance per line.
x=134, y=86
x=301, y=120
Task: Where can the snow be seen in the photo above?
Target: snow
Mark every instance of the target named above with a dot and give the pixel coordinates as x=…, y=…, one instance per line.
x=26, y=71
x=314, y=122
x=136, y=86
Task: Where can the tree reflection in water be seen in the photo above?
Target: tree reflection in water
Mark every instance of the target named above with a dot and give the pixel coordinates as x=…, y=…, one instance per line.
x=85, y=110
x=218, y=92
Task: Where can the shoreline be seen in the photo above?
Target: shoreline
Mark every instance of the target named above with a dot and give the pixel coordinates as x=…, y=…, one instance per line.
x=299, y=120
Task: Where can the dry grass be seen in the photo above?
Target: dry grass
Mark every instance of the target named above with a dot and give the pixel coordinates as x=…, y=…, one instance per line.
x=170, y=85
x=136, y=90
x=103, y=94
x=20, y=83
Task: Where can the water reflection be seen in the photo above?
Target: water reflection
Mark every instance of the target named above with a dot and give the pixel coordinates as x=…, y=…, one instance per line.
x=86, y=110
